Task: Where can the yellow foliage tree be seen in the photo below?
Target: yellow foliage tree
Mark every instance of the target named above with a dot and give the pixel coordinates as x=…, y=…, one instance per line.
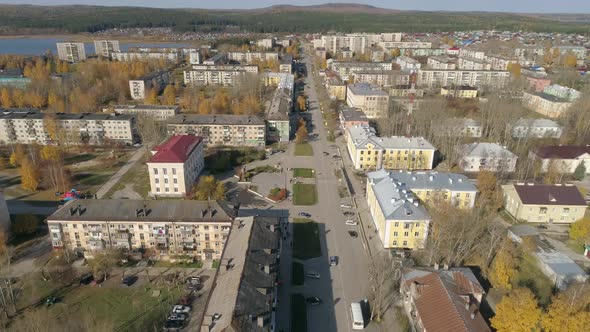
x=18, y=98
x=169, y=95
x=570, y=60
x=567, y=311
x=29, y=175
x=301, y=103
x=504, y=268
x=209, y=188
x=515, y=69
x=220, y=103
x=517, y=312
x=580, y=231
x=205, y=106
x=395, y=53
x=35, y=99
x=51, y=153
x=152, y=97
x=17, y=156
x=6, y=98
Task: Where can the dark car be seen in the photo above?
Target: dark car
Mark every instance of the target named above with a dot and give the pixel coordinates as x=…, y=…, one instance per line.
x=353, y=234
x=336, y=157
x=313, y=300
x=86, y=279
x=333, y=260
x=304, y=214
x=173, y=325
x=130, y=280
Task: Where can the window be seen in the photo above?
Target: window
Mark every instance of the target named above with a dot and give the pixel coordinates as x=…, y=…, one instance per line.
x=157, y=189
x=174, y=171
x=406, y=225
x=175, y=190
x=175, y=180
x=166, y=181
x=394, y=243
x=394, y=233
x=543, y=210
x=406, y=234
x=396, y=224
x=165, y=171
x=155, y=171
x=75, y=226
x=157, y=180
x=417, y=234
x=167, y=189
x=566, y=210
x=405, y=243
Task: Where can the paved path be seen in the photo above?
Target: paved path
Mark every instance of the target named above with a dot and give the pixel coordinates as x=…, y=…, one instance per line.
x=117, y=176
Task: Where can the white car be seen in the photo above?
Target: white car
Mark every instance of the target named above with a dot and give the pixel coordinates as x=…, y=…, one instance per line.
x=181, y=309
x=351, y=223
x=346, y=206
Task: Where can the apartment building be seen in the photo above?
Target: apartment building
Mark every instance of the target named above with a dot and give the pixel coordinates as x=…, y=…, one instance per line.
x=350, y=117
x=465, y=63
x=143, y=54
x=278, y=116
x=478, y=78
x=336, y=88
x=71, y=52
x=265, y=43
x=537, y=81
x=564, y=158
x=462, y=91
x=157, y=112
x=383, y=78
x=405, y=90
x=221, y=130
x=546, y=104
x=441, y=62
x=14, y=78
x=536, y=128
x=347, y=69
x=434, y=187
x=216, y=60
x=403, y=45
x=432, y=296
x=139, y=88
x=472, y=53
x=500, y=62
x=562, y=92
x=280, y=80
x=320, y=52
x=170, y=227
x=400, y=220
x=544, y=203
x=372, y=101
x=493, y=157
x=357, y=42
x=457, y=127
x=175, y=165
x=218, y=75
x=249, y=56
x=29, y=126
x=286, y=64
x=105, y=48
x=407, y=63
x=370, y=152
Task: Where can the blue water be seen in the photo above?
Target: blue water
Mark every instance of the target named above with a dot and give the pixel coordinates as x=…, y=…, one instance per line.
x=38, y=46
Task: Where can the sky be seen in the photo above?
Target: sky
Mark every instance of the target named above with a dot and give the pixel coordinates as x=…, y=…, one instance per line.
x=521, y=6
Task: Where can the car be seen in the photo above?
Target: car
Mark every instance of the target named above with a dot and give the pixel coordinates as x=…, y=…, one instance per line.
x=326, y=153
x=181, y=309
x=333, y=260
x=336, y=157
x=353, y=234
x=177, y=316
x=348, y=213
x=312, y=274
x=304, y=214
x=86, y=279
x=173, y=325
x=346, y=206
x=313, y=300
x=129, y=280
x=193, y=280
x=50, y=301
x=351, y=222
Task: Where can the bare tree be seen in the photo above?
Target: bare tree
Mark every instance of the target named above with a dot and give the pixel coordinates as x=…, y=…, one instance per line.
x=384, y=275
x=152, y=132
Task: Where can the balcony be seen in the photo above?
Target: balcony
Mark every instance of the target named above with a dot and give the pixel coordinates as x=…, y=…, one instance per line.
x=96, y=244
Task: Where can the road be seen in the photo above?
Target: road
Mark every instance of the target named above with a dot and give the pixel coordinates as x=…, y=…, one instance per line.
x=119, y=174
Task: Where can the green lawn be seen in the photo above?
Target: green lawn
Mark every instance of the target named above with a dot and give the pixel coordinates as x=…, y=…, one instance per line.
x=304, y=172
x=297, y=274
x=304, y=194
x=306, y=239
x=137, y=176
x=298, y=313
x=303, y=149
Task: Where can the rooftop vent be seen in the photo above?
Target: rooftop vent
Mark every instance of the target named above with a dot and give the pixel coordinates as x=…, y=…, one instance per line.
x=431, y=178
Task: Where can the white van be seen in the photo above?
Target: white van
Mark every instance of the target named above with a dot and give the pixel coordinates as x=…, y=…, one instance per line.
x=358, y=322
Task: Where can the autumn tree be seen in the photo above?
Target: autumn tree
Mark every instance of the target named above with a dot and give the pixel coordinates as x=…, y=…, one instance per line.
x=301, y=134
x=503, y=269
x=490, y=196
x=152, y=97
x=580, y=171
x=104, y=261
x=169, y=95
x=6, y=98
x=151, y=131
x=515, y=69
x=570, y=60
x=25, y=224
x=395, y=52
x=580, y=231
x=209, y=188
x=301, y=103
x=220, y=102
x=29, y=175
x=517, y=312
x=384, y=277
x=18, y=98
x=568, y=310
x=18, y=154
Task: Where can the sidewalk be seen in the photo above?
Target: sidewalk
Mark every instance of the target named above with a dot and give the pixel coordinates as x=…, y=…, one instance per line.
x=119, y=174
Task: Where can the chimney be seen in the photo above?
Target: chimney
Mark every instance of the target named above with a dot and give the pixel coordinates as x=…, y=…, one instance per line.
x=436, y=266
x=80, y=210
x=260, y=321
x=73, y=211
x=446, y=267
x=139, y=213
x=204, y=212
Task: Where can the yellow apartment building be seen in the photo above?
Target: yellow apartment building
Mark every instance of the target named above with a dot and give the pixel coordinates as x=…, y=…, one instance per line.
x=400, y=219
x=464, y=91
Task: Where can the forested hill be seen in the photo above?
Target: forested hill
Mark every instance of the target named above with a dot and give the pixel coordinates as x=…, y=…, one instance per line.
x=332, y=17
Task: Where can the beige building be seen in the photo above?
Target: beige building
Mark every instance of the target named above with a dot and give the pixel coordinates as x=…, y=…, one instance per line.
x=105, y=48
x=225, y=75
x=383, y=78
x=170, y=227
x=464, y=91
x=249, y=57
x=139, y=88
x=346, y=70
x=441, y=62
x=144, y=54
x=175, y=166
x=478, y=78
x=372, y=101
x=336, y=88
x=28, y=126
x=157, y=112
x=221, y=130
x=468, y=63
x=71, y=52
x=544, y=203
x=546, y=104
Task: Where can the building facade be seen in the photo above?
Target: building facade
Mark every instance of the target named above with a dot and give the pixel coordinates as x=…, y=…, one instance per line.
x=217, y=75
x=536, y=128
x=105, y=48
x=463, y=91
x=71, y=52
x=372, y=101
x=157, y=112
x=492, y=157
x=562, y=158
x=545, y=104
x=493, y=79
x=351, y=117
x=346, y=70
x=249, y=57
x=138, y=88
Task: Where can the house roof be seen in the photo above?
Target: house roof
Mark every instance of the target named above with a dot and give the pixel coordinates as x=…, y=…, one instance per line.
x=442, y=297
x=433, y=180
x=560, y=263
x=546, y=194
x=216, y=119
x=486, y=150
x=562, y=151
x=536, y=123
x=363, y=135
x=176, y=149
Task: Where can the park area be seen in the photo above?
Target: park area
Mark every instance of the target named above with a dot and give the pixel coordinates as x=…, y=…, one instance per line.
x=303, y=149
x=306, y=239
x=303, y=173
x=304, y=194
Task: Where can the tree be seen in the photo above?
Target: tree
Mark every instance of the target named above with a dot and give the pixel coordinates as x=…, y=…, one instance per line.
x=17, y=156
x=395, y=52
x=555, y=172
x=515, y=69
x=18, y=98
x=150, y=130
x=490, y=196
x=567, y=311
x=570, y=60
x=580, y=171
x=6, y=98
x=24, y=224
x=517, y=312
x=503, y=267
x=169, y=95
x=51, y=153
x=29, y=175
x=105, y=260
x=209, y=188
x=301, y=100
x=152, y=97
x=220, y=103
x=580, y=231
x=384, y=276
x=205, y=106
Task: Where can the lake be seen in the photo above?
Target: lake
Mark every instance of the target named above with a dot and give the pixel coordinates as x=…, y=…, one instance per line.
x=38, y=46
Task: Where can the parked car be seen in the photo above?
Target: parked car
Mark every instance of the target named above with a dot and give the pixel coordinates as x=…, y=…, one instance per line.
x=326, y=153
x=177, y=316
x=346, y=206
x=304, y=214
x=312, y=274
x=50, y=301
x=193, y=280
x=353, y=234
x=351, y=222
x=348, y=213
x=313, y=300
x=181, y=309
x=333, y=260
x=130, y=280
x=86, y=279
x=336, y=157
x=173, y=325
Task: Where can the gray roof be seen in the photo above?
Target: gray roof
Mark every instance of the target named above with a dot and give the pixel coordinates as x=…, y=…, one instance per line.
x=365, y=89
x=483, y=150
x=216, y=119
x=536, y=123
x=11, y=72
x=363, y=135
x=560, y=263
x=126, y=210
x=433, y=180
x=395, y=199
x=279, y=107
x=353, y=114
x=144, y=107
x=33, y=114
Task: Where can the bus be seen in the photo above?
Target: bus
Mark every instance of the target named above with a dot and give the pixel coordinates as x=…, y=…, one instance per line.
x=358, y=321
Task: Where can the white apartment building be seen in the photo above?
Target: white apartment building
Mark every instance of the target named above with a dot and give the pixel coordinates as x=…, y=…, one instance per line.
x=493, y=157
x=467, y=63
x=194, y=58
x=536, y=128
x=71, y=52
x=545, y=104
x=383, y=78
x=104, y=48
x=346, y=69
x=249, y=57
x=266, y=43
x=138, y=88
x=172, y=55
x=500, y=62
x=217, y=75
x=407, y=63
x=477, y=78
x=471, y=53
x=175, y=166
x=389, y=45
x=28, y=126
x=441, y=62
x=456, y=127
x=370, y=100
x=157, y=112
x=171, y=228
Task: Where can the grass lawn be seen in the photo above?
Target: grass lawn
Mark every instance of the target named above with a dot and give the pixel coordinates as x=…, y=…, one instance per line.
x=298, y=313
x=303, y=149
x=304, y=172
x=137, y=176
x=575, y=247
x=193, y=265
x=306, y=239
x=304, y=194
x=297, y=274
